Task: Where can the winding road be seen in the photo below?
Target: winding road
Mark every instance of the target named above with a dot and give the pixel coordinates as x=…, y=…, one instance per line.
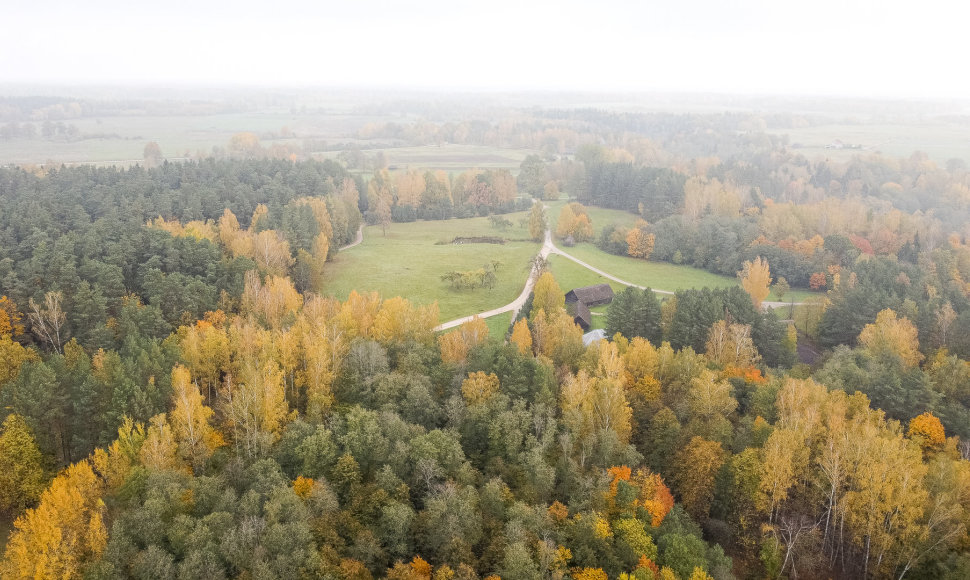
x=548, y=248
x=357, y=240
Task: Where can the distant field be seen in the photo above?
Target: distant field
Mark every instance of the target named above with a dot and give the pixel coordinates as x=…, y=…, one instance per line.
x=455, y=157
x=409, y=263
x=938, y=140
x=122, y=138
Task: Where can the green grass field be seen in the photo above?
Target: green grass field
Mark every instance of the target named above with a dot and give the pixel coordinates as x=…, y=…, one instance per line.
x=571, y=275
x=409, y=263
x=498, y=325
x=658, y=275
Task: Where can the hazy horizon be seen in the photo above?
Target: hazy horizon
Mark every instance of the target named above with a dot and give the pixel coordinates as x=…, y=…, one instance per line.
x=831, y=49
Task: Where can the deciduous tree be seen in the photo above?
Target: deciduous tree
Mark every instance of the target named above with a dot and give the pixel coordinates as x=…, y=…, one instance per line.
x=21, y=472
x=756, y=280
x=893, y=336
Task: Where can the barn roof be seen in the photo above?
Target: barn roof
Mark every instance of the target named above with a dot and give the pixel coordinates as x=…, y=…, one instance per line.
x=581, y=314
x=595, y=295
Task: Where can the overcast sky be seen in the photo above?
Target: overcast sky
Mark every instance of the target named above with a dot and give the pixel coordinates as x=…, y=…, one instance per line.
x=833, y=47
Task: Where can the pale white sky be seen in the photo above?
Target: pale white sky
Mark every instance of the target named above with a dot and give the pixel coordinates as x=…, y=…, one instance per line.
x=834, y=47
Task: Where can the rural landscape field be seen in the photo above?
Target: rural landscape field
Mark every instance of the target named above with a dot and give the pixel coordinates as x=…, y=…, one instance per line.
x=503, y=291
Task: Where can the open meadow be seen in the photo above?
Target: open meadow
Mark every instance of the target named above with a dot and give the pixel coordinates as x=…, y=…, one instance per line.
x=662, y=275
x=409, y=262
x=938, y=139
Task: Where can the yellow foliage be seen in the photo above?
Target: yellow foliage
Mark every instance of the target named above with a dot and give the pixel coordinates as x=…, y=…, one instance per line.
x=891, y=335
x=547, y=295
x=272, y=302
x=589, y=574
x=522, y=337
x=453, y=347
x=589, y=404
x=12, y=355
x=479, y=387
x=63, y=533
x=639, y=243
x=158, y=450
x=190, y=420
x=700, y=574
x=205, y=348
x=731, y=345
x=756, y=280
x=443, y=572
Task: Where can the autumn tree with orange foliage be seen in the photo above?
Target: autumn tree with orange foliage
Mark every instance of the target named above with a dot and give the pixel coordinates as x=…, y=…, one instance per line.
x=928, y=430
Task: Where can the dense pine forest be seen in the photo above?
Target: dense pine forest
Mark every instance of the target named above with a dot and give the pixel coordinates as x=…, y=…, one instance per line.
x=182, y=398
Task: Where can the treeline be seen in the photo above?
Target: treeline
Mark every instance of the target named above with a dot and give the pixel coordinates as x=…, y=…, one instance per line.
x=409, y=195
x=307, y=437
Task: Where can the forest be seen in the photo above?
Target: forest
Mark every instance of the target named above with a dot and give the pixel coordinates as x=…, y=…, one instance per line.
x=182, y=398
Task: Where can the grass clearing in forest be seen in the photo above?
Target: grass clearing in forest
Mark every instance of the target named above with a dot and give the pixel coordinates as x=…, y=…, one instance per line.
x=657, y=275
x=409, y=263
x=571, y=275
x=498, y=325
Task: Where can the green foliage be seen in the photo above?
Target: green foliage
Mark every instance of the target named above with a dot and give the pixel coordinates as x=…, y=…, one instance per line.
x=635, y=312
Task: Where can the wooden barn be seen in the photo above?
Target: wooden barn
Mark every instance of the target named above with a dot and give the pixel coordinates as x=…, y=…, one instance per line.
x=581, y=314
x=591, y=295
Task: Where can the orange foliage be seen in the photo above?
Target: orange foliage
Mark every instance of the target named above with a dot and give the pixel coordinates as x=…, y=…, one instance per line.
x=9, y=318
x=928, y=429
x=655, y=496
x=817, y=281
x=354, y=570
x=420, y=567
x=302, y=486
x=558, y=511
x=750, y=374
x=617, y=474
x=649, y=565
